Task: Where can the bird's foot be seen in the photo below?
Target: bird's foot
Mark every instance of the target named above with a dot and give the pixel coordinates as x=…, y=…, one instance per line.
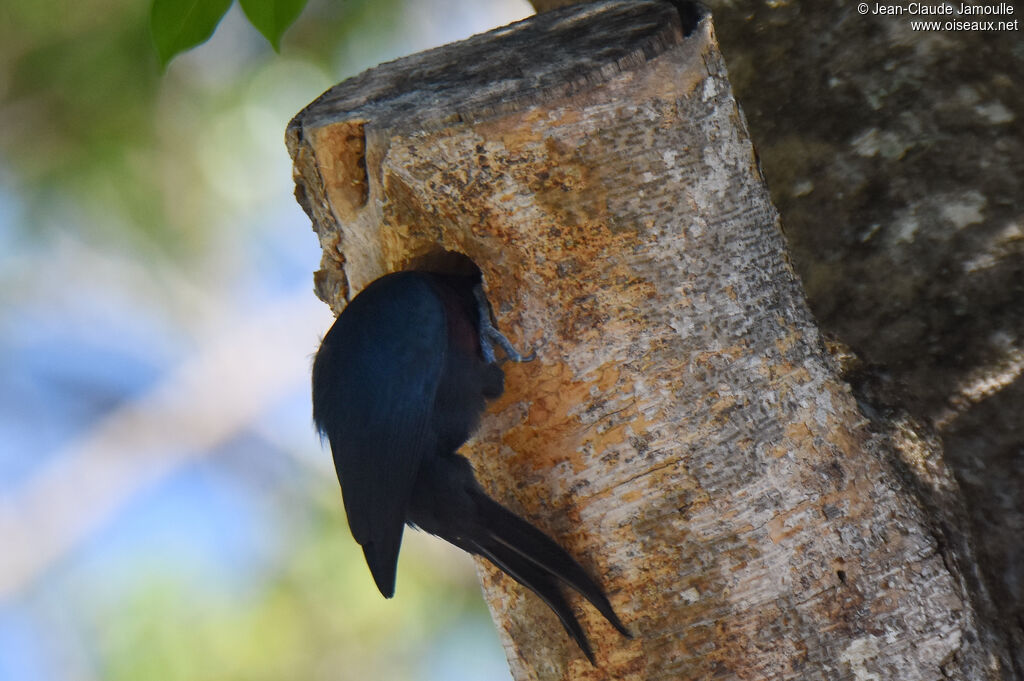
x=489, y=334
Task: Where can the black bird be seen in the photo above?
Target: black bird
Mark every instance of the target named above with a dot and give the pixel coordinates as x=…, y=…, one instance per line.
x=399, y=384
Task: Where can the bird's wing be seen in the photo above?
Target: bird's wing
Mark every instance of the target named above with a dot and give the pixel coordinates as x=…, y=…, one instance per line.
x=374, y=381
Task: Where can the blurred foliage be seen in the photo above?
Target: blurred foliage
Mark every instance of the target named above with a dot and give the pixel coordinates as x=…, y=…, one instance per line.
x=319, y=617
x=95, y=139
x=151, y=186
x=77, y=108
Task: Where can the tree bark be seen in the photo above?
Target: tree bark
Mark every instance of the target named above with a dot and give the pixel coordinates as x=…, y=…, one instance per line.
x=909, y=141
x=684, y=431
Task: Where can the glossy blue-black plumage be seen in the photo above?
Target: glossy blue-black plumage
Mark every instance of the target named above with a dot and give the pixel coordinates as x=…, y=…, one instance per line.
x=399, y=384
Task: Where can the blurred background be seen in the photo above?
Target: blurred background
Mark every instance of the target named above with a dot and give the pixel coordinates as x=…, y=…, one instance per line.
x=166, y=511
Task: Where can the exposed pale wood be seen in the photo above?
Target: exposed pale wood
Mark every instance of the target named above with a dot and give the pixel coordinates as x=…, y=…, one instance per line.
x=684, y=431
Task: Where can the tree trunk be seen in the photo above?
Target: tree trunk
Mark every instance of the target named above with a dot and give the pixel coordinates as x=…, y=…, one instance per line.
x=684, y=431
x=910, y=142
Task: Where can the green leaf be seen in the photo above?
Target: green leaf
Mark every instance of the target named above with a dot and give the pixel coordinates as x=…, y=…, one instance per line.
x=179, y=25
x=273, y=17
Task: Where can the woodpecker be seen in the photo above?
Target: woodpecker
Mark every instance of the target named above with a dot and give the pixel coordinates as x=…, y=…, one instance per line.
x=399, y=384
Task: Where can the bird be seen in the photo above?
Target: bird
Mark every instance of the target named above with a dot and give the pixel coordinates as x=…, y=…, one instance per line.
x=399, y=385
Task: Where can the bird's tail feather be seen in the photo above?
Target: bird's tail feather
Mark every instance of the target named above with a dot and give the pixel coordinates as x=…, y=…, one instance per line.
x=541, y=583
x=448, y=502
x=532, y=554
x=382, y=559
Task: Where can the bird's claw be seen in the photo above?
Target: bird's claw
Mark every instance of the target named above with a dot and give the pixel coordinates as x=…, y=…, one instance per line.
x=489, y=334
x=492, y=334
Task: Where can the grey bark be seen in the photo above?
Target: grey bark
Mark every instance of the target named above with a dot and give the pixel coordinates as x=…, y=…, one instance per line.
x=684, y=430
x=896, y=160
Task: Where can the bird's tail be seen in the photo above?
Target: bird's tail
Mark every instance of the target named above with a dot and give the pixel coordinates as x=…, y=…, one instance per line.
x=534, y=560
x=448, y=502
